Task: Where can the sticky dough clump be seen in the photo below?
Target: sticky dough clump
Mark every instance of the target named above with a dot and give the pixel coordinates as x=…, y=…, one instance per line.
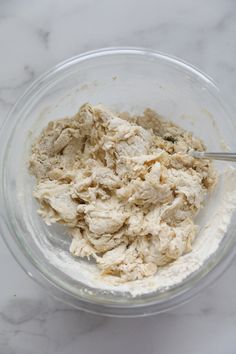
x=124, y=185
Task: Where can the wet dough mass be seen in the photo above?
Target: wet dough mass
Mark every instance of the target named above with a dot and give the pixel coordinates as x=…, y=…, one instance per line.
x=124, y=185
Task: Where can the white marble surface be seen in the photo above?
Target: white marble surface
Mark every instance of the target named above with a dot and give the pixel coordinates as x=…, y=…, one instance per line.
x=34, y=35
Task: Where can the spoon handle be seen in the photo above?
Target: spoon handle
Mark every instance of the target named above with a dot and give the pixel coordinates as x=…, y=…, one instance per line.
x=225, y=156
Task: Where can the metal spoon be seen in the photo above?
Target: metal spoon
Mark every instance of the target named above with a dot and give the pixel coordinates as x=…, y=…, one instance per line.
x=225, y=156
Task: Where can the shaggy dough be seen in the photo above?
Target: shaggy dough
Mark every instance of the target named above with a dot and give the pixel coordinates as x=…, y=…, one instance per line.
x=124, y=185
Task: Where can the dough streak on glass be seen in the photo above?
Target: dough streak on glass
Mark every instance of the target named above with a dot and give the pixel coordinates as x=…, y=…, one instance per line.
x=124, y=185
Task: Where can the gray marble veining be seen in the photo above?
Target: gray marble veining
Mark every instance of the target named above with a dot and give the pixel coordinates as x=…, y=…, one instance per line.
x=35, y=35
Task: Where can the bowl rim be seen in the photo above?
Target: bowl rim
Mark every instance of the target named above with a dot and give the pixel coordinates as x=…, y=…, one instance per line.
x=115, y=309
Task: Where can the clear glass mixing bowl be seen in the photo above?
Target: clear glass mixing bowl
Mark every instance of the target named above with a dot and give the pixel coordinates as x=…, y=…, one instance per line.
x=123, y=79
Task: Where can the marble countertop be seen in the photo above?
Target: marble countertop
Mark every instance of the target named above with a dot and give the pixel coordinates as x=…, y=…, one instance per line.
x=35, y=35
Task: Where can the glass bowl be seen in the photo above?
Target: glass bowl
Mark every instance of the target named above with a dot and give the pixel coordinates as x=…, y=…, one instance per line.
x=126, y=79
